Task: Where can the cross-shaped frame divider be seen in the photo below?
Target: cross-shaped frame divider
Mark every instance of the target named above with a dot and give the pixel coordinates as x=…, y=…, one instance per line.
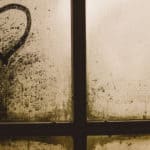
x=80, y=128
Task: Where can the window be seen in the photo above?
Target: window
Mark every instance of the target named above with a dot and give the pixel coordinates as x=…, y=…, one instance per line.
x=77, y=133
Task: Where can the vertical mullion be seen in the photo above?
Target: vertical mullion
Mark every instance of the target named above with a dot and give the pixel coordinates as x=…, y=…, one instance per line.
x=79, y=72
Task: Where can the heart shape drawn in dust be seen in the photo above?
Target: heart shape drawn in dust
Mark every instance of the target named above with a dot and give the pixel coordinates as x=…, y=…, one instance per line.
x=4, y=56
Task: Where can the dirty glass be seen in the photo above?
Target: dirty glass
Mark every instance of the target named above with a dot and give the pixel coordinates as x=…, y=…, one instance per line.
x=35, y=75
x=118, y=142
x=118, y=64
x=36, y=143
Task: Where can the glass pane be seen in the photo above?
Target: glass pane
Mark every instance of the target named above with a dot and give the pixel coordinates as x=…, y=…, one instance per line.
x=118, y=142
x=118, y=64
x=35, y=85
x=36, y=143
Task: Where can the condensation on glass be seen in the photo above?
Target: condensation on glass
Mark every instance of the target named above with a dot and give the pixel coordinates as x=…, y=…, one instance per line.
x=118, y=142
x=118, y=64
x=36, y=143
x=35, y=85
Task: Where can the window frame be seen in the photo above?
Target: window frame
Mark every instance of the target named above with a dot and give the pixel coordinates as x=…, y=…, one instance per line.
x=79, y=129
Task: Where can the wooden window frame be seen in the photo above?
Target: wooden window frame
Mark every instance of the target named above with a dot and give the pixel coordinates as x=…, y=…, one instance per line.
x=79, y=129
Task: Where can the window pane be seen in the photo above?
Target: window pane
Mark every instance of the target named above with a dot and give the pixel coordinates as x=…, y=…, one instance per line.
x=118, y=142
x=36, y=83
x=37, y=143
x=118, y=64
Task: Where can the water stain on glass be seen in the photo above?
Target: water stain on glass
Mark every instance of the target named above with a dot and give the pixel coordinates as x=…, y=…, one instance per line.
x=35, y=84
x=118, y=73
x=36, y=143
x=130, y=142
